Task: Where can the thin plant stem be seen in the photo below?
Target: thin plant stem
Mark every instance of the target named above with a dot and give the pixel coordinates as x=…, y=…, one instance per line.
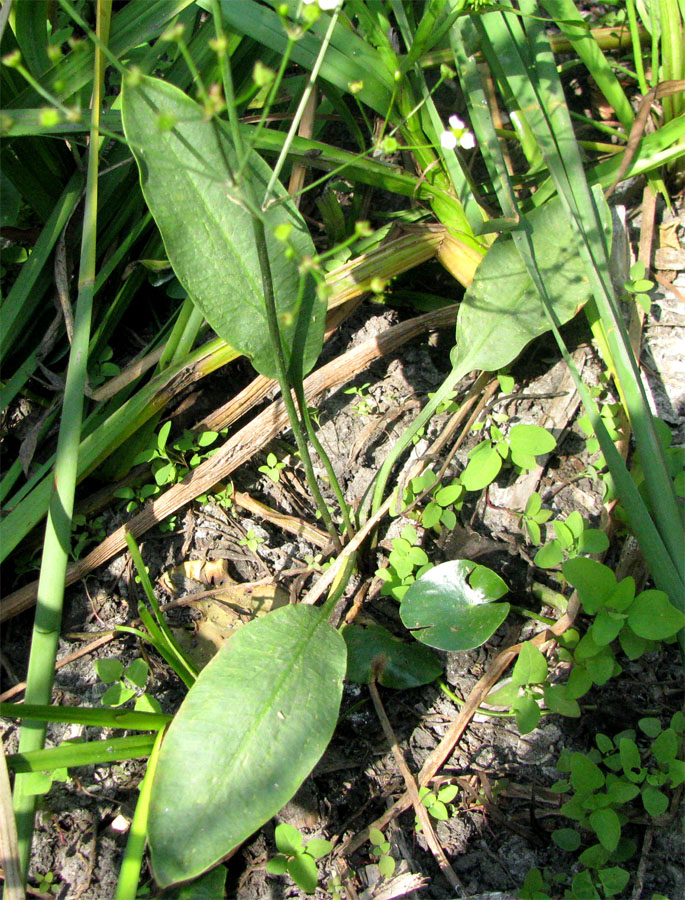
x=272, y=321
x=292, y=131
x=323, y=456
x=58, y=527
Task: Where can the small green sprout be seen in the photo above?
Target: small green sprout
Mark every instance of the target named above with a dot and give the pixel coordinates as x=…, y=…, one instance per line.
x=381, y=848
x=251, y=540
x=273, y=467
x=297, y=858
x=125, y=683
x=438, y=803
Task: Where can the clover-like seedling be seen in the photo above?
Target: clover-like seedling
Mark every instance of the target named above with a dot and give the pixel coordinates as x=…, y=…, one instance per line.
x=112, y=672
x=437, y=802
x=297, y=858
x=273, y=467
x=381, y=848
x=251, y=540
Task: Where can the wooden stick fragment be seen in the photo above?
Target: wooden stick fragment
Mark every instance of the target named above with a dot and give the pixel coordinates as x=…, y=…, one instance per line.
x=413, y=793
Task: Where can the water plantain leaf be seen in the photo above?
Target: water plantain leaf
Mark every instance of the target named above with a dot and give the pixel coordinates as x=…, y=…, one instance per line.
x=185, y=163
x=451, y=607
x=502, y=311
x=248, y=733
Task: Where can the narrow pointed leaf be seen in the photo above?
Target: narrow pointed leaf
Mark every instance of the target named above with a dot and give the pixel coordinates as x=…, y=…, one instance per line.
x=249, y=732
x=186, y=164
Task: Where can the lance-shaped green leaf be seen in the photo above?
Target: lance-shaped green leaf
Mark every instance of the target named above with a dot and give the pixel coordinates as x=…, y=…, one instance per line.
x=249, y=732
x=186, y=164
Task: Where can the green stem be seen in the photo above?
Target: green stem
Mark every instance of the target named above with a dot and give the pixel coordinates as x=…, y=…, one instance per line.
x=323, y=456
x=272, y=322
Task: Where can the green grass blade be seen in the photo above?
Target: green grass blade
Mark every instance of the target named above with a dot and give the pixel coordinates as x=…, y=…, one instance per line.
x=105, y=717
x=58, y=530
x=93, y=753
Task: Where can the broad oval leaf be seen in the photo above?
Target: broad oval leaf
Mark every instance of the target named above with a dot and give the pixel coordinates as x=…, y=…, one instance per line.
x=452, y=607
x=654, y=617
x=501, y=311
x=248, y=733
x=405, y=665
x=185, y=163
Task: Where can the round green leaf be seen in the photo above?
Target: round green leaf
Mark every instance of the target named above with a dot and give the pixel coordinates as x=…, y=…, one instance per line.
x=549, y=556
x=318, y=847
x=288, y=838
x=531, y=440
x=566, y=838
x=527, y=713
x=248, y=733
x=482, y=469
x=613, y=879
x=376, y=836
x=531, y=666
x=137, y=672
x=655, y=802
x=586, y=776
x=386, y=866
x=277, y=865
x=405, y=665
x=449, y=494
x=606, y=825
x=654, y=617
x=448, y=612
x=594, y=582
x=117, y=695
x=109, y=669
x=302, y=869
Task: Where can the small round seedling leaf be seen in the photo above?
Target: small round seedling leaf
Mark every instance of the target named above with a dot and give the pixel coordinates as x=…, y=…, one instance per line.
x=137, y=672
x=592, y=540
x=654, y=617
x=594, y=582
x=288, y=839
x=482, y=469
x=586, y=776
x=318, y=847
x=531, y=666
x=448, y=793
x=449, y=494
x=109, y=670
x=613, y=879
x=655, y=802
x=566, y=838
x=386, y=866
x=403, y=665
x=117, y=695
x=376, y=836
x=606, y=825
x=549, y=556
x=302, y=869
x=531, y=440
x=449, y=612
x=527, y=713
x=277, y=865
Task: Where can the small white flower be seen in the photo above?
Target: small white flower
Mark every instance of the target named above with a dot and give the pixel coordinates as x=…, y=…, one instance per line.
x=457, y=135
x=329, y=4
